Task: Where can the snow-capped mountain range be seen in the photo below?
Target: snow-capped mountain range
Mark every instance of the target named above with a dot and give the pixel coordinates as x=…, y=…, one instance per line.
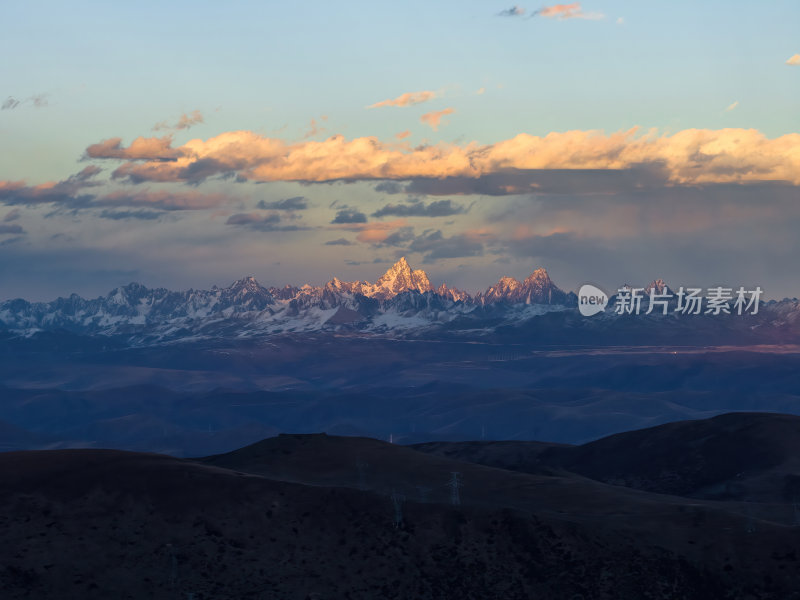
x=402, y=299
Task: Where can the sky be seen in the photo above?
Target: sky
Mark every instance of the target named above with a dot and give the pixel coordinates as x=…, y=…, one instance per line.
x=187, y=145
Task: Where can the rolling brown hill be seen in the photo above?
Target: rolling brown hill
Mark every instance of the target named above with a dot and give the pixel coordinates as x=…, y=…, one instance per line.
x=312, y=516
x=752, y=457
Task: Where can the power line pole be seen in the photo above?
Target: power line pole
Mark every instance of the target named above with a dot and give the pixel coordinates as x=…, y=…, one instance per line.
x=455, y=484
x=397, y=502
x=423, y=493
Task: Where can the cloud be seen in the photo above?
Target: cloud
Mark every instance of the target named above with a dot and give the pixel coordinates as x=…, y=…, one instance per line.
x=551, y=181
x=258, y=222
x=434, y=118
x=12, y=215
x=68, y=192
x=372, y=233
x=38, y=101
x=77, y=193
x=339, y=242
x=314, y=128
x=514, y=11
x=435, y=245
x=480, y=91
x=163, y=200
x=688, y=157
x=732, y=106
x=794, y=61
x=349, y=215
x=397, y=238
x=407, y=99
x=567, y=11
x=438, y=208
x=390, y=187
x=86, y=174
x=6, y=229
x=402, y=135
x=290, y=204
x=142, y=148
x=185, y=121
x=124, y=215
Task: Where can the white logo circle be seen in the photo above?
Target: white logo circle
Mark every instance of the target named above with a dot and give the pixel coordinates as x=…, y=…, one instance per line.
x=591, y=300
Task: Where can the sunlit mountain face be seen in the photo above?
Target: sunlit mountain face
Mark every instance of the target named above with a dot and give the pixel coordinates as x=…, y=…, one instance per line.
x=514, y=310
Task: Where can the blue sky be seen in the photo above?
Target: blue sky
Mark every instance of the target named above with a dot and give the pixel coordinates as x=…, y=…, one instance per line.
x=86, y=72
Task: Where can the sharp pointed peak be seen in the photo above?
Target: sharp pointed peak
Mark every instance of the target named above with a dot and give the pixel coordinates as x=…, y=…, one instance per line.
x=247, y=282
x=400, y=265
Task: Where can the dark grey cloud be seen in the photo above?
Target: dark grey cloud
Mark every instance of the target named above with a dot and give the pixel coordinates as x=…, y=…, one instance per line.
x=374, y=261
x=349, y=215
x=68, y=192
x=75, y=194
x=293, y=203
x=38, y=101
x=124, y=215
x=435, y=245
x=514, y=11
x=6, y=229
x=11, y=216
x=339, y=242
x=390, y=187
x=266, y=223
x=416, y=208
x=399, y=237
x=552, y=181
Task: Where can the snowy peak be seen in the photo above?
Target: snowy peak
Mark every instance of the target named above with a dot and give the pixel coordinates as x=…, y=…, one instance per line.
x=401, y=278
x=453, y=294
x=658, y=285
x=537, y=288
x=538, y=278
x=247, y=284
x=505, y=288
x=247, y=294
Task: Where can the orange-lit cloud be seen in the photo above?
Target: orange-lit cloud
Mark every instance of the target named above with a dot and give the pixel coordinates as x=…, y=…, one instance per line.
x=435, y=118
x=407, y=99
x=567, y=11
x=794, y=61
x=691, y=156
x=141, y=148
x=402, y=135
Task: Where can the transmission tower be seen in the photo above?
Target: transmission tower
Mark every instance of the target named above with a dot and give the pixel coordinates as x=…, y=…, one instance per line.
x=423, y=493
x=455, y=485
x=397, y=502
